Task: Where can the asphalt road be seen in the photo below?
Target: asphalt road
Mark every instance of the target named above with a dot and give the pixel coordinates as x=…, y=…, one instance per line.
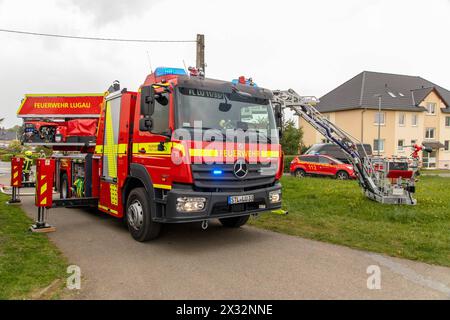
x=247, y=263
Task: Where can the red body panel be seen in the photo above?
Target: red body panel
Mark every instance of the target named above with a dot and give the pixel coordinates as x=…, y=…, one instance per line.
x=16, y=172
x=60, y=105
x=45, y=171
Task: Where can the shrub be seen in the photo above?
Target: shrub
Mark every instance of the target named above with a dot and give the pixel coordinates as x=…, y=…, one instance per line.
x=287, y=162
x=6, y=157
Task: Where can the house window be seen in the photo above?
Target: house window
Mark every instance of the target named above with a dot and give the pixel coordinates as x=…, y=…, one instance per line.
x=413, y=142
x=447, y=145
x=429, y=133
x=414, y=120
x=400, y=144
x=401, y=119
x=379, y=118
x=447, y=121
x=378, y=144
x=431, y=108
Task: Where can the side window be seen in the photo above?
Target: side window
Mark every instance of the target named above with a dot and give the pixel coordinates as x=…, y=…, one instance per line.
x=161, y=115
x=314, y=159
x=325, y=160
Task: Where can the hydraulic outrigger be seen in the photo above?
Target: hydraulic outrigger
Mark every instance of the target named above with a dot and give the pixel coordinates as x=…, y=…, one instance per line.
x=384, y=180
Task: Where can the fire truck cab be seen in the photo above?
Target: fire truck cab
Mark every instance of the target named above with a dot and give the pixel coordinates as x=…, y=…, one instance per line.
x=183, y=148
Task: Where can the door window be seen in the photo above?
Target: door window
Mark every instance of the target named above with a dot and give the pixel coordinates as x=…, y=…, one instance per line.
x=161, y=115
x=111, y=139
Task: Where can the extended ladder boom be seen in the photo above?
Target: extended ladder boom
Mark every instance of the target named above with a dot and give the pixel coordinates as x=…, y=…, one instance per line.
x=303, y=107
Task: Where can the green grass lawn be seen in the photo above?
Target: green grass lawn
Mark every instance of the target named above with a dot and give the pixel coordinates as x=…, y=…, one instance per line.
x=28, y=261
x=337, y=212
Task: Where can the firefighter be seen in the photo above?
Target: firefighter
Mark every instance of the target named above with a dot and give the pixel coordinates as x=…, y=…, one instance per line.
x=78, y=187
x=27, y=163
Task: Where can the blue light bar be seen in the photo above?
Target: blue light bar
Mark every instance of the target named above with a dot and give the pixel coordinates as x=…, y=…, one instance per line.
x=217, y=172
x=163, y=71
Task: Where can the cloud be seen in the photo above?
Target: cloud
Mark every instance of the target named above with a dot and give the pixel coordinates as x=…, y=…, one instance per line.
x=104, y=12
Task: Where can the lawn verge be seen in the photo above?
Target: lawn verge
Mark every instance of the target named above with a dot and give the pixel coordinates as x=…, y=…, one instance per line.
x=29, y=262
x=337, y=212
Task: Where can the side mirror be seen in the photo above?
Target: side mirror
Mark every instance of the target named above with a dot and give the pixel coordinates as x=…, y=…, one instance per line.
x=279, y=119
x=147, y=101
x=145, y=124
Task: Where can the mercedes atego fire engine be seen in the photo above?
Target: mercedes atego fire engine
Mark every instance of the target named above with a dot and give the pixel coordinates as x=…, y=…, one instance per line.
x=159, y=155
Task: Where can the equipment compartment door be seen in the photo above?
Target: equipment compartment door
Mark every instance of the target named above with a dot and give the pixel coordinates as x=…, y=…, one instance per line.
x=109, y=196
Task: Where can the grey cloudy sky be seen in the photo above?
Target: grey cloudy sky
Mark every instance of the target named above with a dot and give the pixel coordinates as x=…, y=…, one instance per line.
x=311, y=46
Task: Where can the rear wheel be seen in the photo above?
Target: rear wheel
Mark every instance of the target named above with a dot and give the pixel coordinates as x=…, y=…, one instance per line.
x=300, y=173
x=342, y=175
x=138, y=217
x=234, y=222
x=64, y=187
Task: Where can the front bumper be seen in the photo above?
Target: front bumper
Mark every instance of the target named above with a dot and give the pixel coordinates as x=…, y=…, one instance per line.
x=217, y=206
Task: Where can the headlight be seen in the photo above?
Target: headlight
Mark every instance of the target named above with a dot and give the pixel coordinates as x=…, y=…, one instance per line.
x=188, y=204
x=275, y=196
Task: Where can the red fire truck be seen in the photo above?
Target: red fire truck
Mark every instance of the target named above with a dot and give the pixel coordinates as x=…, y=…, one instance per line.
x=161, y=155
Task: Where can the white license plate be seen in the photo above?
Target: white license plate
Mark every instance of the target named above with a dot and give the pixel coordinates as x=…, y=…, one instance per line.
x=241, y=199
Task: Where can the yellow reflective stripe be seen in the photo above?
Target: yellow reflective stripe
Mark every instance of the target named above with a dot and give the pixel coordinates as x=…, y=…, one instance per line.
x=16, y=174
x=113, y=194
x=162, y=186
x=122, y=148
x=236, y=153
x=204, y=152
x=43, y=188
x=152, y=148
x=269, y=154
x=44, y=201
x=117, y=148
x=108, y=209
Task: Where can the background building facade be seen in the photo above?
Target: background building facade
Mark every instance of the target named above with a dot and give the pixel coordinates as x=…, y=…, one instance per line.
x=413, y=110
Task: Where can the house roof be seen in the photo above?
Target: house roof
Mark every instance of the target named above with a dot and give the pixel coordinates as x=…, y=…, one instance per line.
x=398, y=92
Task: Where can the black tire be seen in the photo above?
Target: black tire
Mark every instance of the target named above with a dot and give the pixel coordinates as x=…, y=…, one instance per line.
x=139, y=218
x=234, y=222
x=300, y=173
x=342, y=175
x=64, y=187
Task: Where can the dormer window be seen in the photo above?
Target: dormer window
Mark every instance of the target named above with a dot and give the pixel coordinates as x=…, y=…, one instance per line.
x=431, y=108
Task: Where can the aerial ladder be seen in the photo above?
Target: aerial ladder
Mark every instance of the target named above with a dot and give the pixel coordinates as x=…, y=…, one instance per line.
x=384, y=180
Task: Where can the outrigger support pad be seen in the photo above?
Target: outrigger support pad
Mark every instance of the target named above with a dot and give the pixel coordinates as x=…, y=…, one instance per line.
x=14, y=196
x=41, y=226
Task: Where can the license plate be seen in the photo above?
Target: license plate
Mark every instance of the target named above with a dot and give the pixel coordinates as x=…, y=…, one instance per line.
x=241, y=199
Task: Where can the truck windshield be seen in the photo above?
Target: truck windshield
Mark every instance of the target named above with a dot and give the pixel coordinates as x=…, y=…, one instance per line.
x=225, y=112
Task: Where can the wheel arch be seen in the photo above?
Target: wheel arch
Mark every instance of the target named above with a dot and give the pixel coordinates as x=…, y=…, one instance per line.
x=139, y=178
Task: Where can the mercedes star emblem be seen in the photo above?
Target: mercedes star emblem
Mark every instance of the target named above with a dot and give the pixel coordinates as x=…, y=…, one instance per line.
x=240, y=169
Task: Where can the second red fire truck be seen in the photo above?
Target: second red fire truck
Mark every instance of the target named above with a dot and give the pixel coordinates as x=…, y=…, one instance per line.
x=179, y=150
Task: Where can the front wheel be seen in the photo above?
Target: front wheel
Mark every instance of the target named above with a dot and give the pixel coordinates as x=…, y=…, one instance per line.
x=138, y=217
x=234, y=222
x=300, y=173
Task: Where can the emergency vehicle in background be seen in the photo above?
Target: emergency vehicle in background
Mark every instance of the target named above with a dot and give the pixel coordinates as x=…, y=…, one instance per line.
x=118, y=151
